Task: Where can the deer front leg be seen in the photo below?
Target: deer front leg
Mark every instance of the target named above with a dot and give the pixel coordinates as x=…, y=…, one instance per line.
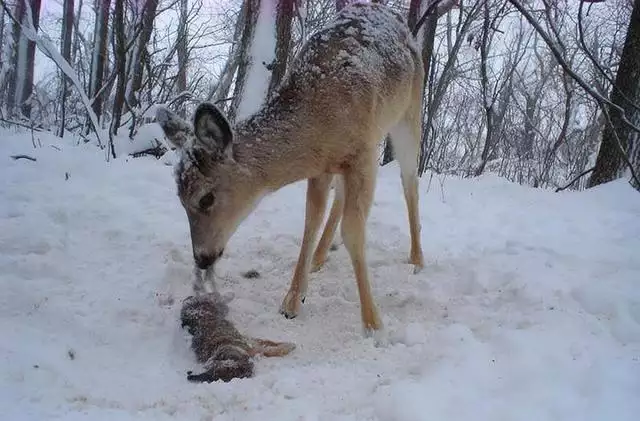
x=317, y=192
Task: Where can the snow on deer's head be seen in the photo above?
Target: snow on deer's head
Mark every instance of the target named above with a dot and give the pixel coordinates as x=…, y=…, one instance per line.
x=212, y=187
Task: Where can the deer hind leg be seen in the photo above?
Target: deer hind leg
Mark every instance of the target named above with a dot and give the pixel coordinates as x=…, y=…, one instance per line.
x=359, y=191
x=317, y=192
x=405, y=137
x=320, y=255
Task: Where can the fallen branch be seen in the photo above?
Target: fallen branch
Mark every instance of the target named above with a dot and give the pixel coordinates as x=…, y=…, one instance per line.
x=26, y=126
x=578, y=177
x=30, y=158
x=156, y=151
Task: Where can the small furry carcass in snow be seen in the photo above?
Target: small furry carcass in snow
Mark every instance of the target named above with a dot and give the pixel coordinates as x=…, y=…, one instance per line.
x=224, y=351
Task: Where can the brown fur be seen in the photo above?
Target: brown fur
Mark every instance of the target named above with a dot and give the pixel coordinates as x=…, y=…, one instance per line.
x=225, y=353
x=350, y=85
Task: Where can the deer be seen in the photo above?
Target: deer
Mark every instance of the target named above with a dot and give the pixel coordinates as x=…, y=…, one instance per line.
x=353, y=82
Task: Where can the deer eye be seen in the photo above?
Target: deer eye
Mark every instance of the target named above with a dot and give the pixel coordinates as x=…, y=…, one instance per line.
x=206, y=201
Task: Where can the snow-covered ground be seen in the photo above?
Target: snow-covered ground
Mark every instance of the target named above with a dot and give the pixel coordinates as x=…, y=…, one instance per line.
x=528, y=308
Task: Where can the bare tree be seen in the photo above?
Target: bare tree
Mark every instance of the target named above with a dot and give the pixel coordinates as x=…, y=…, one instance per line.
x=144, y=18
x=283, y=42
x=618, y=138
x=220, y=89
x=250, y=11
x=183, y=53
x=67, y=29
x=423, y=19
x=120, y=52
x=21, y=79
x=30, y=32
x=99, y=56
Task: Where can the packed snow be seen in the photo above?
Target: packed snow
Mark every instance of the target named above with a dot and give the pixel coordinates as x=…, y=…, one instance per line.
x=528, y=307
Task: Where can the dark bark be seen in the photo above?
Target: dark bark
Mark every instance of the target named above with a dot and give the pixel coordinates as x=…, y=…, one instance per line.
x=27, y=88
x=100, y=55
x=437, y=89
x=67, y=29
x=562, y=136
x=183, y=55
x=428, y=41
x=617, y=137
x=1, y=38
x=283, y=43
x=530, y=107
x=138, y=57
x=75, y=49
x=18, y=95
x=120, y=71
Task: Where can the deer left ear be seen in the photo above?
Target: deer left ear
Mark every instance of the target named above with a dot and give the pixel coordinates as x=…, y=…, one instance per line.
x=211, y=128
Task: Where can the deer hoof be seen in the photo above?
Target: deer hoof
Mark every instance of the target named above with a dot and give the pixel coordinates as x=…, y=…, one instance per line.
x=316, y=266
x=291, y=305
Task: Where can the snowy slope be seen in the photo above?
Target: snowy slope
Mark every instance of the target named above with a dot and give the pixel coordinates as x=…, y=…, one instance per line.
x=528, y=309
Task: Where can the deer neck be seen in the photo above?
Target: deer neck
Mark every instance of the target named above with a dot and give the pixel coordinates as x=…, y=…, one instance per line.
x=270, y=145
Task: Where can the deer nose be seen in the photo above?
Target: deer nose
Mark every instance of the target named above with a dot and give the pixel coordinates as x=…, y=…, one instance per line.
x=204, y=261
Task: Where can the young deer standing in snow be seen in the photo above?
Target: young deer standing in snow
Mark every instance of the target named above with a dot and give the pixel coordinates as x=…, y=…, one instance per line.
x=353, y=82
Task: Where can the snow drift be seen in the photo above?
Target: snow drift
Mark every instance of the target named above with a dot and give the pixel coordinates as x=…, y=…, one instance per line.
x=528, y=308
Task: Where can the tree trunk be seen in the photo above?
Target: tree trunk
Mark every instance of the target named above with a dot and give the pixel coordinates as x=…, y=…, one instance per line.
x=137, y=56
x=253, y=66
x=76, y=37
x=530, y=108
x=2, y=37
x=21, y=79
x=283, y=43
x=65, y=51
x=617, y=138
x=488, y=101
x=3, y=67
x=121, y=72
x=183, y=55
x=99, y=56
x=426, y=37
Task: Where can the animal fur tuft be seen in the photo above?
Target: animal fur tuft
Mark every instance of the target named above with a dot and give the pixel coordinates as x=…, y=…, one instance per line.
x=222, y=350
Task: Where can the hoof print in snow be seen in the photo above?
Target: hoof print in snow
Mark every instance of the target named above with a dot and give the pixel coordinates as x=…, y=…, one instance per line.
x=225, y=353
x=165, y=300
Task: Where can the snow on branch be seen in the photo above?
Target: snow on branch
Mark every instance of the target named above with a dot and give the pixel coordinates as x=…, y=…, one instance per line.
x=261, y=52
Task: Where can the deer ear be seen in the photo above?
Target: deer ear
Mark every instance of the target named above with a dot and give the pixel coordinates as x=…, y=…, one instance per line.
x=211, y=127
x=176, y=129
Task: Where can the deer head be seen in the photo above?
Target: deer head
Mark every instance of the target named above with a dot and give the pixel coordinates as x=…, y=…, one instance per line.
x=213, y=188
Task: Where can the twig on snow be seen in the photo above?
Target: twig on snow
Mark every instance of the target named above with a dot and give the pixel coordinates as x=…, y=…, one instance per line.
x=577, y=177
x=30, y=158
